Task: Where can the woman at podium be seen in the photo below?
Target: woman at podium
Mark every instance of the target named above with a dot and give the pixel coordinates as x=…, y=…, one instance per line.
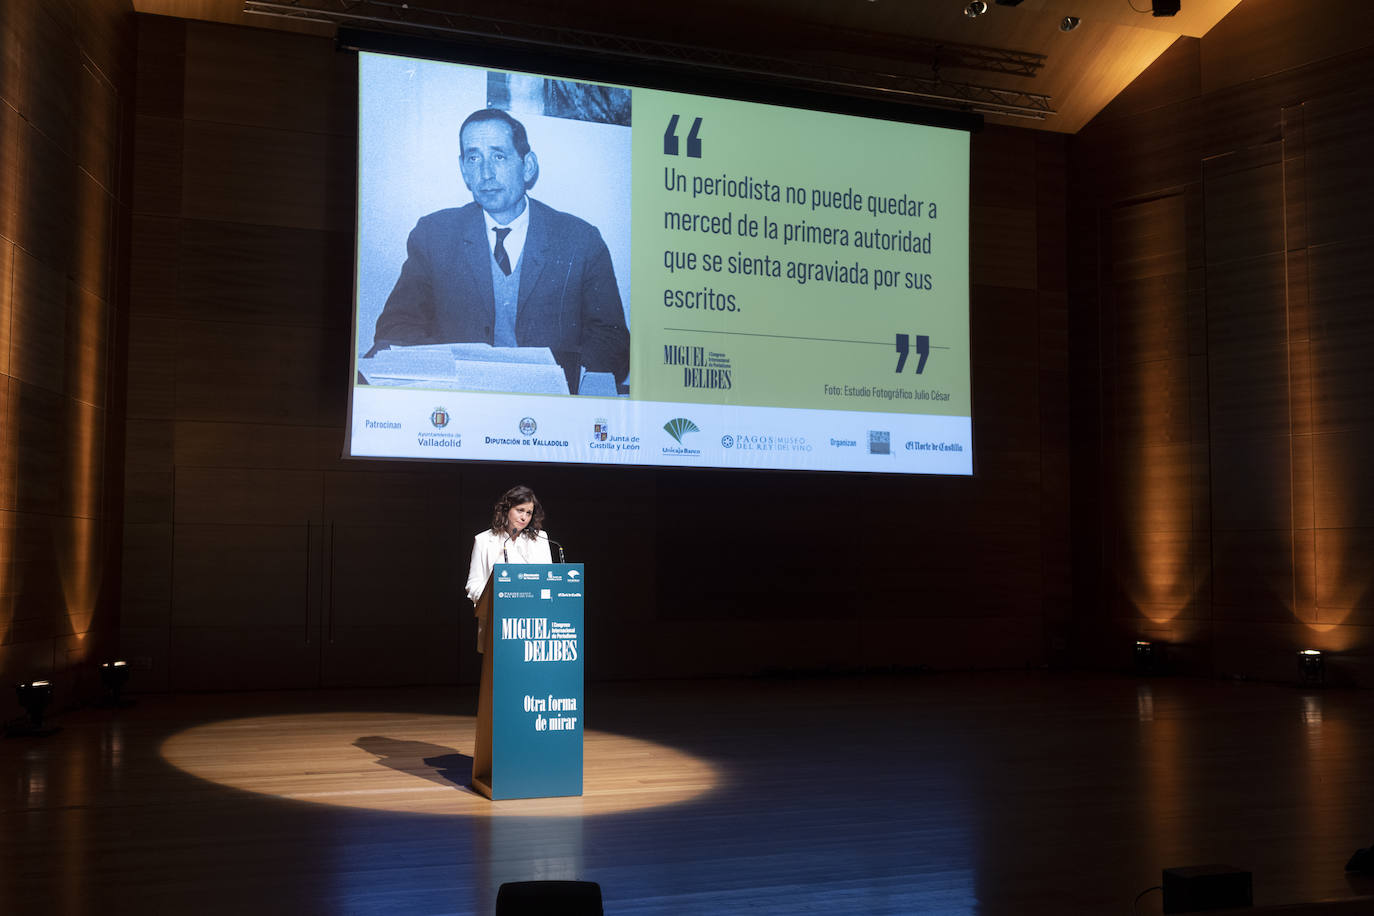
x=516, y=535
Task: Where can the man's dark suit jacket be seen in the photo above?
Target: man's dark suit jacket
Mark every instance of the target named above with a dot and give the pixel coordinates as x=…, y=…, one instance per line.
x=568, y=298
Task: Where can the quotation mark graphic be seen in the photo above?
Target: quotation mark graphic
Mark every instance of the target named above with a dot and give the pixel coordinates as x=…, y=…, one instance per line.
x=670, y=146
x=904, y=348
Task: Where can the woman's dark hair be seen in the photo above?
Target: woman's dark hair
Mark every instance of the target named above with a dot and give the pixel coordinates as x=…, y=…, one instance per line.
x=509, y=500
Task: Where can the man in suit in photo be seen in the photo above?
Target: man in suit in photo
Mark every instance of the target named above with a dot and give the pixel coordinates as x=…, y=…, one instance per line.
x=506, y=269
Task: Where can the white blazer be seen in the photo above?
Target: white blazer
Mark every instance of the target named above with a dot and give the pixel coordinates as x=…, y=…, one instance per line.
x=490, y=548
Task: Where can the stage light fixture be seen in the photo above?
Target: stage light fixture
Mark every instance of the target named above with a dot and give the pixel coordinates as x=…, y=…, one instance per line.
x=975, y=9
x=1149, y=656
x=1312, y=665
x=1164, y=7
x=1068, y=23
x=34, y=696
x=113, y=676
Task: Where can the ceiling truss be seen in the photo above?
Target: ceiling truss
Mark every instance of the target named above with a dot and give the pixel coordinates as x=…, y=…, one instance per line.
x=919, y=89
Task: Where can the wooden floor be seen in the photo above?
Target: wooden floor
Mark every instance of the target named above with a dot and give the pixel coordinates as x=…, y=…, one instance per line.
x=1021, y=794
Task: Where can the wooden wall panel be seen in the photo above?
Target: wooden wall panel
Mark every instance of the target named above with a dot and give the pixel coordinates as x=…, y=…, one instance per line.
x=146, y=585
x=1337, y=139
x=1004, y=327
x=244, y=496
x=1151, y=318
x=1160, y=573
x=282, y=89
x=1005, y=406
x=160, y=77
x=36, y=564
x=37, y=418
x=9, y=452
x=237, y=658
x=1251, y=483
x=1253, y=575
x=261, y=374
x=96, y=126
x=271, y=177
x=1274, y=36
x=385, y=656
x=85, y=359
x=81, y=460
x=423, y=498
x=265, y=275
x=1274, y=291
x=243, y=576
x=1248, y=366
x=148, y=495
x=1344, y=491
x=1149, y=238
x=1001, y=161
x=1003, y=252
x=158, y=165
x=151, y=391
x=11, y=164
x=395, y=577
x=1151, y=406
x=1245, y=204
x=38, y=323
x=251, y=445
x=153, y=275
x=1342, y=333
x=1345, y=576
x=44, y=45
x=7, y=256
x=1153, y=151
x=46, y=200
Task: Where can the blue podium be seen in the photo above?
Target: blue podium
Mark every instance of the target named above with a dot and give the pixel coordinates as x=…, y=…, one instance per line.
x=529, y=710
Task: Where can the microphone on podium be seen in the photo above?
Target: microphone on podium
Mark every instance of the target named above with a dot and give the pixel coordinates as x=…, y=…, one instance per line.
x=560, y=550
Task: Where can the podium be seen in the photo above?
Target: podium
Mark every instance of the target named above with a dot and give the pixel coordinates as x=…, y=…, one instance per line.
x=529, y=710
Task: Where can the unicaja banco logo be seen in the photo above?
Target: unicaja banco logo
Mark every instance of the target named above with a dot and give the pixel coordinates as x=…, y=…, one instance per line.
x=680, y=427
x=439, y=417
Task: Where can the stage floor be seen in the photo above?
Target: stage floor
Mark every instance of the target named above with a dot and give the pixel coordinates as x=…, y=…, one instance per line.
x=976, y=793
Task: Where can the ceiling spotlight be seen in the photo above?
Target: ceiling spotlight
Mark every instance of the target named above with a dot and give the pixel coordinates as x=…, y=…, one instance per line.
x=975, y=9
x=1068, y=23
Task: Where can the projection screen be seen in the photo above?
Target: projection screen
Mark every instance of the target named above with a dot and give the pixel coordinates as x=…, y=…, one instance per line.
x=697, y=281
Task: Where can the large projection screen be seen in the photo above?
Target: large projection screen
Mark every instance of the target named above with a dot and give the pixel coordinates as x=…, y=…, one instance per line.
x=699, y=281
